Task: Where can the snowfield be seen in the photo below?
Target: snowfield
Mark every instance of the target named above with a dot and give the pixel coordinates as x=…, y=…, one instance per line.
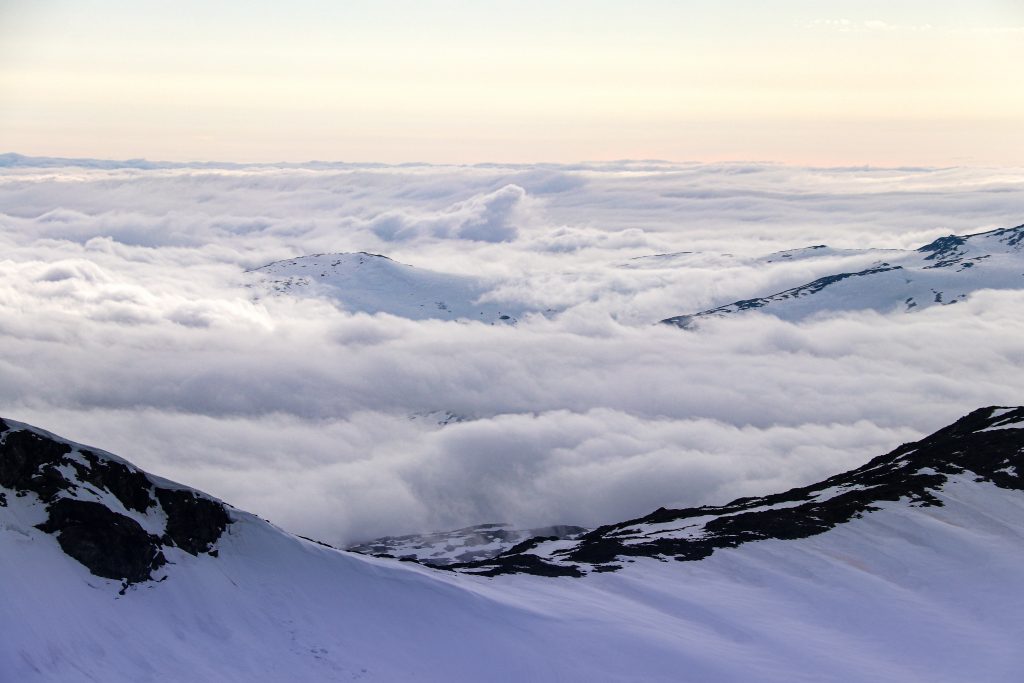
x=907, y=592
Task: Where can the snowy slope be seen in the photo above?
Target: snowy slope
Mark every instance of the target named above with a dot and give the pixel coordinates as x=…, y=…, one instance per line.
x=942, y=272
x=918, y=584
x=683, y=259
x=371, y=283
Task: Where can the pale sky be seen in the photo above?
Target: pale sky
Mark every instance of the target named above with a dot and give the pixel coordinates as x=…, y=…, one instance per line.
x=803, y=81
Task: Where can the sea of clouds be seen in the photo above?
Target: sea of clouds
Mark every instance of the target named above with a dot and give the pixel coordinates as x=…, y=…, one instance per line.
x=126, y=322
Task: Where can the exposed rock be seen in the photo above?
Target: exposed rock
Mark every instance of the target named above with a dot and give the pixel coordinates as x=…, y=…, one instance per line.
x=109, y=544
x=131, y=487
x=194, y=523
x=28, y=462
x=87, y=495
x=444, y=548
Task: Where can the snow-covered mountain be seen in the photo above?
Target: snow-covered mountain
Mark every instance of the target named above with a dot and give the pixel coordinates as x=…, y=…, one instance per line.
x=985, y=446
x=371, y=283
x=904, y=569
x=942, y=272
x=477, y=542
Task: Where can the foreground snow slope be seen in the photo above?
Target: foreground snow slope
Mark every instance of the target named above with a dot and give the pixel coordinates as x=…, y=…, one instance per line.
x=921, y=587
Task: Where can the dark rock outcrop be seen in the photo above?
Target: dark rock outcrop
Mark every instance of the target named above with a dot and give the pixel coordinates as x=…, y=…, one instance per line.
x=29, y=462
x=194, y=523
x=469, y=544
x=110, y=545
x=79, y=487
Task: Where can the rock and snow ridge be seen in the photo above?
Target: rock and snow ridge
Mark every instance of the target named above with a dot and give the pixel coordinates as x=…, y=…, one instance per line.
x=473, y=543
x=372, y=283
x=988, y=444
x=903, y=569
x=942, y=272
x=120, y=522
x=113, y=518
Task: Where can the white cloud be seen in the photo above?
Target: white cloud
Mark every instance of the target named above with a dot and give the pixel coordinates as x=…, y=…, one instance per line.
x=491, y=217
x=124, y=323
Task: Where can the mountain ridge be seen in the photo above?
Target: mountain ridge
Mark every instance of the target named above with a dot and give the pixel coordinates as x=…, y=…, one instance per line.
x=98, y=508
x=797, y=513
x=909, y=280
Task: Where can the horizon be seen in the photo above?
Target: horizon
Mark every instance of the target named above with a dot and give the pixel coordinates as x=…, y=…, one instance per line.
x=41, y=161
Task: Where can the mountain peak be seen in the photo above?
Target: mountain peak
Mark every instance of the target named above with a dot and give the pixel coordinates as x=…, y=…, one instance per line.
x=373, y=283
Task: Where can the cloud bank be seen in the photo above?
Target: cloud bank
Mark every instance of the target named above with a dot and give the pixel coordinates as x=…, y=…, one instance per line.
x=490, y=217
x=125, y=323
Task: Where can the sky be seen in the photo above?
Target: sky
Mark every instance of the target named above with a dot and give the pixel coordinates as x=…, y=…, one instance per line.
x=797, y=81
x=128, y=322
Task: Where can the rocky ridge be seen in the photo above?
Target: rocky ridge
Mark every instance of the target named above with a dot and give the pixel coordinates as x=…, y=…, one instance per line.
x=473, y=543
x=105, y=513
x=986, y=445
x=126, y=525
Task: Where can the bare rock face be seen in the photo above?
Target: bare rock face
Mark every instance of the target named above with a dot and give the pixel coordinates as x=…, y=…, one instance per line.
x=110, y=545
x=194, y=523
x=97, y=505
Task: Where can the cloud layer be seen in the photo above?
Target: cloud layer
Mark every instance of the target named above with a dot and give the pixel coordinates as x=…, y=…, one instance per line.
x=126, y=323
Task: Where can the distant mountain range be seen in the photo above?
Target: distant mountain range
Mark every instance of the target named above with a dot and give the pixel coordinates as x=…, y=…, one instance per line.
x=906, y=568
x=942, y=272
